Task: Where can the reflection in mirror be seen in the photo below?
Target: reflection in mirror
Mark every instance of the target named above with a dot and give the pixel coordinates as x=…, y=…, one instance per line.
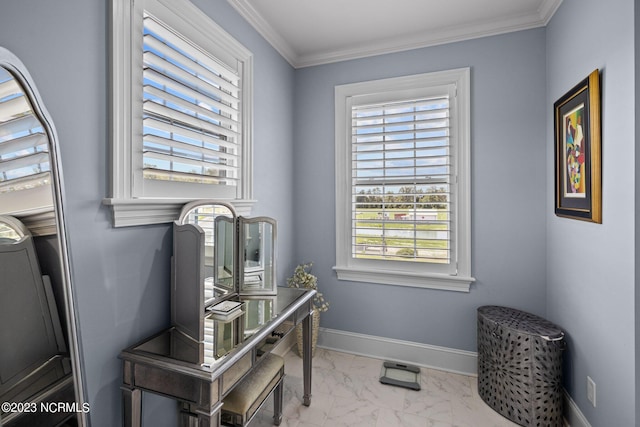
x=259, y=311
x=25, y=177
x=217, y=257
x=224, y=333
x=217, y=221
x=12, y=230
x=221, y=337
x=200, y=279
x=224, y=255
x=39, y=356
x=258, y=242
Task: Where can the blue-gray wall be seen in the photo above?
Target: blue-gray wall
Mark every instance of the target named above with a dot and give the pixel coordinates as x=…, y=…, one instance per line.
x=508, y=152
x=637, y=204
x=591, y=277
x=121, y=275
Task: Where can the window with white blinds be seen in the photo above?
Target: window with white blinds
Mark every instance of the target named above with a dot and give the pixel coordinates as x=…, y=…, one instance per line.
x=190, y=111
x=402, y=189
x=400, y=180
x=181, y=115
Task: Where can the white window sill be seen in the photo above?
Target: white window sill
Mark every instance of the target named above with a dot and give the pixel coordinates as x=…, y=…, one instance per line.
x=131, y=212
x=400, y=278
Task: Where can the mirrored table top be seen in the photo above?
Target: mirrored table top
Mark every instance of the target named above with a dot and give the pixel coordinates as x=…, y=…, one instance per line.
x=259, y=318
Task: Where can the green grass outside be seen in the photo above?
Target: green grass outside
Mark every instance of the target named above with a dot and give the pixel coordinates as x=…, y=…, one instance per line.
x=374, y=214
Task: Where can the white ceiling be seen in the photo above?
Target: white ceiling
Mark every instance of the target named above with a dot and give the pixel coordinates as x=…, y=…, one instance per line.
x=312, y=32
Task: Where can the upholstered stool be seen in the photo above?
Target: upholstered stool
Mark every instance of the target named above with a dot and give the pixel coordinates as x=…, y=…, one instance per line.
x=241, y=405
x=520, y=366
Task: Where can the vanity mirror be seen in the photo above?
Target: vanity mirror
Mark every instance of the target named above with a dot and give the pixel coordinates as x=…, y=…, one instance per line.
x=203, y=266
x=257, y=268
x=217, y=258
x=39, y=356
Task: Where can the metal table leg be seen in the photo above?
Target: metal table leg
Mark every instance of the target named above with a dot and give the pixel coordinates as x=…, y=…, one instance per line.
x=307, y=324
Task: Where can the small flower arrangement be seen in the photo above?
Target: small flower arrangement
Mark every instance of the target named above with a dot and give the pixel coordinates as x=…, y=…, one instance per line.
x=302, y=278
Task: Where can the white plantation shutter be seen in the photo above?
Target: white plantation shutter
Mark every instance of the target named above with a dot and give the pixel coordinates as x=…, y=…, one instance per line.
x=191, y=112
x=403, y=193
x=24, y=154
x=181, y=112
x=401, y=173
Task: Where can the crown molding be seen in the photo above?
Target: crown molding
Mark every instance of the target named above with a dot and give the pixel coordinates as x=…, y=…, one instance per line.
x=539, y=18
x=547, y=9
x=248, y=12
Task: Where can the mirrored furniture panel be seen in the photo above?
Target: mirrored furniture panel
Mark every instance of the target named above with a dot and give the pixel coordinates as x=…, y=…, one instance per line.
x=218, y=257
x=204, y=232
x=257, y=237
x=216, y=222
x=169, y=364
x=227, y=313
x=39, y=356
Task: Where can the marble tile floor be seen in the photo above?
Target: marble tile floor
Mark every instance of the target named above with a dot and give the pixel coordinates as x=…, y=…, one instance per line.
x=346, y=392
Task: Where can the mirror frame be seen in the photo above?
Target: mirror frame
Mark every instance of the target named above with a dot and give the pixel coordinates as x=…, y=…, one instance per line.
x=272, y=289
x=11, y=63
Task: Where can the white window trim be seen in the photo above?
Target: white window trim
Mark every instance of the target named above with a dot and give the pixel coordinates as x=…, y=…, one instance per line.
x=127, y=210
x=371, y=272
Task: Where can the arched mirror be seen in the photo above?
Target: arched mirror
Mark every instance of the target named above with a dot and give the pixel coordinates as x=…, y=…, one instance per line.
x=39, y=354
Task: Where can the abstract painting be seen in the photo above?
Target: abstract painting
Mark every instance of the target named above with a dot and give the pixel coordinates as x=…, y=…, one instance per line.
x=578, y=181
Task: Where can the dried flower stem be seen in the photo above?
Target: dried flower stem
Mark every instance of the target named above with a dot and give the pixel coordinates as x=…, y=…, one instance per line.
x=302, y=278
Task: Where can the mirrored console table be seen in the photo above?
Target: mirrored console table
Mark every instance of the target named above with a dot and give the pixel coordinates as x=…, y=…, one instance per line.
x=169, y=363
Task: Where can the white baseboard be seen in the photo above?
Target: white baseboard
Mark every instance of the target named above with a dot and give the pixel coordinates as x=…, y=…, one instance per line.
x=573, y=416
x=429, y=356
x=424, y=355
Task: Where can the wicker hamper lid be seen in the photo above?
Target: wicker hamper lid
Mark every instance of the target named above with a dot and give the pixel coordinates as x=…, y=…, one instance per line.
x=521, y=321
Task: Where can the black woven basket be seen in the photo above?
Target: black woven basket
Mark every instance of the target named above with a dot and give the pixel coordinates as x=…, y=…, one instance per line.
x=520, y=366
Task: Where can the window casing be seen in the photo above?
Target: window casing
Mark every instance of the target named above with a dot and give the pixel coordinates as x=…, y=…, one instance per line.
x=403, y=181
x=181, y=112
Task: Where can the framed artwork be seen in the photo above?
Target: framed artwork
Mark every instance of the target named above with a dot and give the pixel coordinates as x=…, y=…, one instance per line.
x=578, y=161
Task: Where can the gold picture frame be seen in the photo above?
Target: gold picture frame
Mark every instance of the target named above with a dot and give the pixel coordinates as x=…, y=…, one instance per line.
x=578, y=152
